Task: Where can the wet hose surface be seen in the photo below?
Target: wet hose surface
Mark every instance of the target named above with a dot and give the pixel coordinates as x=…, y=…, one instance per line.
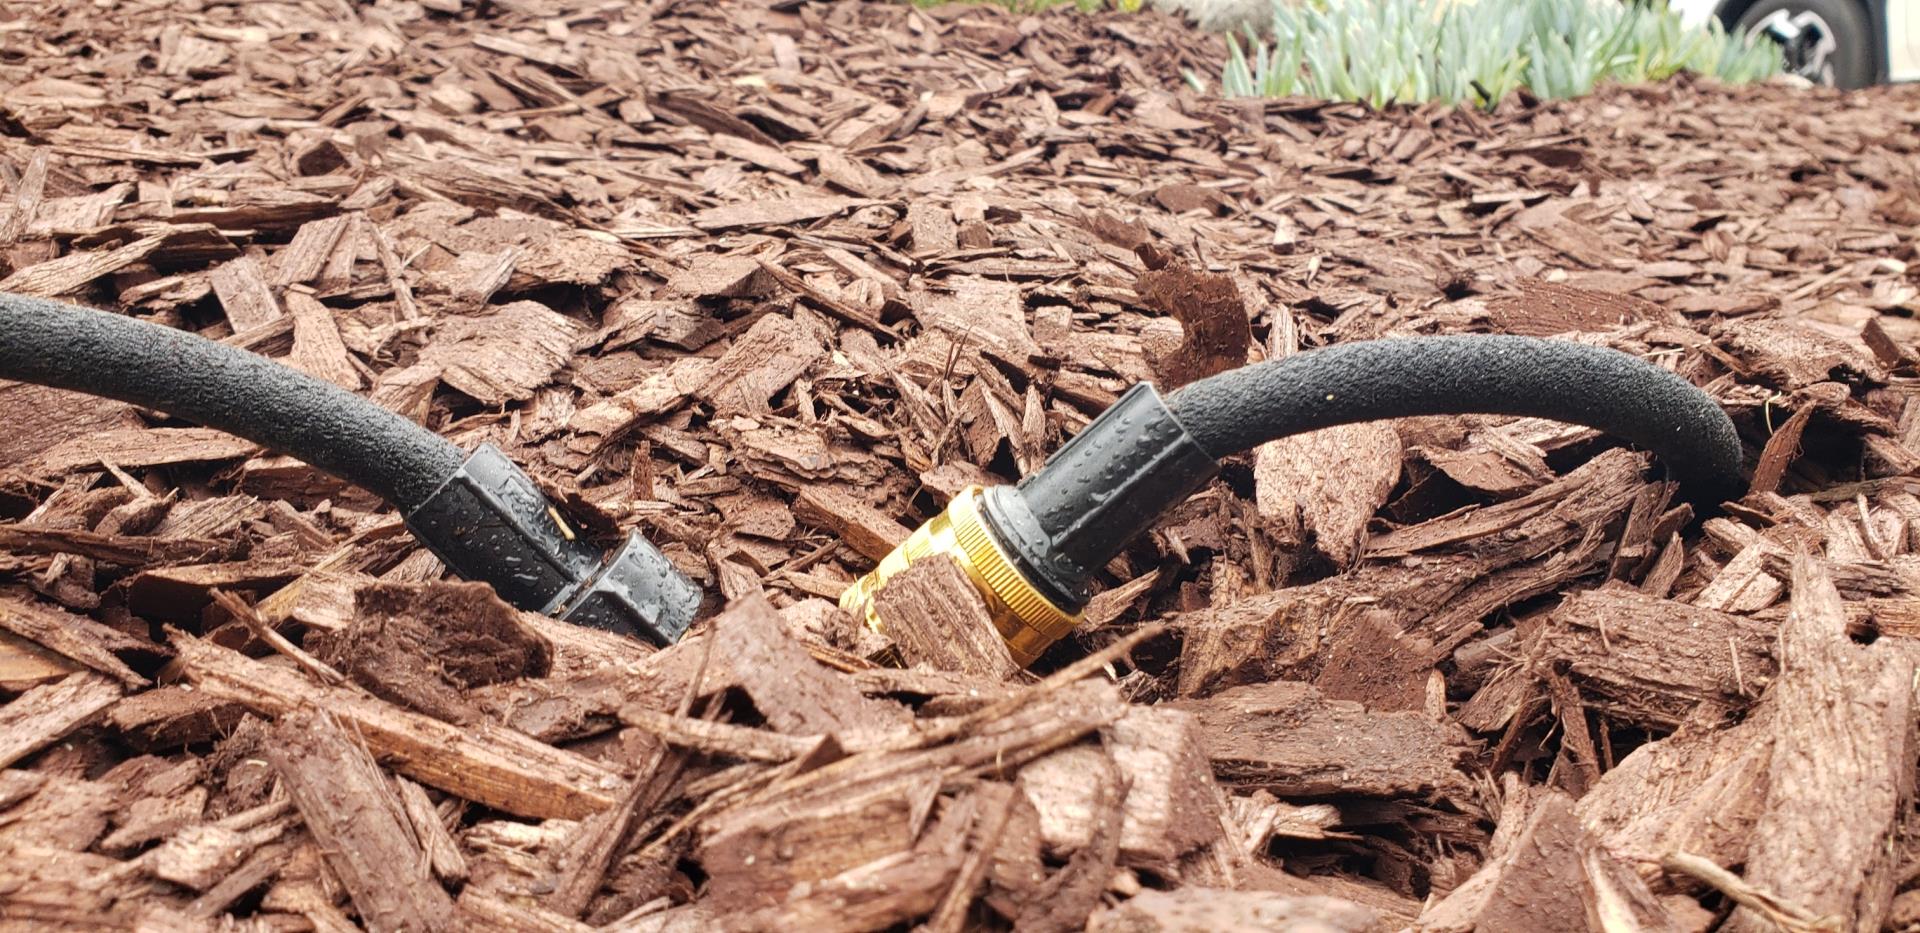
x=480, y=513
x=71, y=347
x=1612, y=391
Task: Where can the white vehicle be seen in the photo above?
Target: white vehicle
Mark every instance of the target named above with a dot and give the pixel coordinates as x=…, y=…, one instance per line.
x=1844, y=43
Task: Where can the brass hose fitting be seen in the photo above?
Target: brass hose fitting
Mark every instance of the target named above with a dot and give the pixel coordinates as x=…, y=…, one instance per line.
x=1026, y=618
x=1032, y=550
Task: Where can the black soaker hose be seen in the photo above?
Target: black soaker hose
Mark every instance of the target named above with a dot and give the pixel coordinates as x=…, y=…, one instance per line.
x=484, y=517
x=1620, y=394
x=1033, y=550
x=1144, y=455
x=212, y=384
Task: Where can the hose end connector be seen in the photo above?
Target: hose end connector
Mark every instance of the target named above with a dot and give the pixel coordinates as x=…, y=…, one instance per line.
x=1027, y=619
x=1033, y=550
x=490, y=521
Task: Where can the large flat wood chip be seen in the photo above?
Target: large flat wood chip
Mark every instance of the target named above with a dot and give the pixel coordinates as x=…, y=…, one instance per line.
x=317, y=348
x=1287, y=737
x=43, y=418
x=760, y=363
x=142, y=447
x=74, y=636
x=68, y=273
x=796, y=694
x=507, y=354
x=935, y=614
x=865, y=529
x=1197, y=909
x=773, y=213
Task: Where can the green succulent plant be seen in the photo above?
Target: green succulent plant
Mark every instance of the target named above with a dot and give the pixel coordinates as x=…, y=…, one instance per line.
x=1476, y=51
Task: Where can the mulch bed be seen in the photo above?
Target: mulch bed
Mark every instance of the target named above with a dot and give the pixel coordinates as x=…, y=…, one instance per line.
x=772, y=282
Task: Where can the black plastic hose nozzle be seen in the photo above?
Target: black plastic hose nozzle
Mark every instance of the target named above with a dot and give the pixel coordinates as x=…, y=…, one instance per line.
x=483, y=516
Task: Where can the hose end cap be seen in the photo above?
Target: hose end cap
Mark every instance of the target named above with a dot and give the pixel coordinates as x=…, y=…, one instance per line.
x=489, y=521
x=638, y=591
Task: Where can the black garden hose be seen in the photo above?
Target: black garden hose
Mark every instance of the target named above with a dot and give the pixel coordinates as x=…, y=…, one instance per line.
x=484, y=517
x=1490, y=374
x=218, y=386
x=1034, y=549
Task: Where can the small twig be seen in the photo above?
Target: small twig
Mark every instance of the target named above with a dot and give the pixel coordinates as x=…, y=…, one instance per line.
x=601, y=838
x=1876, y=549
x=139, y=489
x=951, y=915
x=278, y=642
x=1790, y=917
x=1535, y=701
x=1054, y=683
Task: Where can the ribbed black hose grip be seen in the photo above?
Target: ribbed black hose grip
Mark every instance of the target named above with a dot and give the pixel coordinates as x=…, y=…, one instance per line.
x=490, y=520
x=1100, y=490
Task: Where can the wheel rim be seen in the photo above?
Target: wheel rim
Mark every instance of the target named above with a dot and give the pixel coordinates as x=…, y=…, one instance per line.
x=1806, y=42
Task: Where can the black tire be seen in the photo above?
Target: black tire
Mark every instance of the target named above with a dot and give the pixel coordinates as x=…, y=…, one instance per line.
x=1850, y=61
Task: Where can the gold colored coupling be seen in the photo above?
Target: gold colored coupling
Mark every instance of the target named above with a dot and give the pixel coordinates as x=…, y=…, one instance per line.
x=1027, y=620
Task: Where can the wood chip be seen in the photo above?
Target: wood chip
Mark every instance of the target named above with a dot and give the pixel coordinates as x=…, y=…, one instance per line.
x=797, y=695
x=244, y=293
x=772, y=213
x=1166, y=815
x=1844, y=727
x=351, y=808
x=1193, y=909
x=317, y=348
x=864, y=528
x=142, y=447
x=1287, y=737
x=507, y=354
x=309, y=252
x=761, y=362
x=497, y=767
x=76, y=637
x=126, y=550
x=1654, y=661
x=1326, y=484
x=933, y=612
x=70, y=272
x=1537, y=881
x=45, y=714
x=25, y=664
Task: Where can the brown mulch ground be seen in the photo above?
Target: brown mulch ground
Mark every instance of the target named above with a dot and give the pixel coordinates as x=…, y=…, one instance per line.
x=773, y=281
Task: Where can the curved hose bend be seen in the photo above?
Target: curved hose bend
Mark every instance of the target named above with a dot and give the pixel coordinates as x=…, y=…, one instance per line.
x=1033, y=550
x=1468, y=374
x=169, y=370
